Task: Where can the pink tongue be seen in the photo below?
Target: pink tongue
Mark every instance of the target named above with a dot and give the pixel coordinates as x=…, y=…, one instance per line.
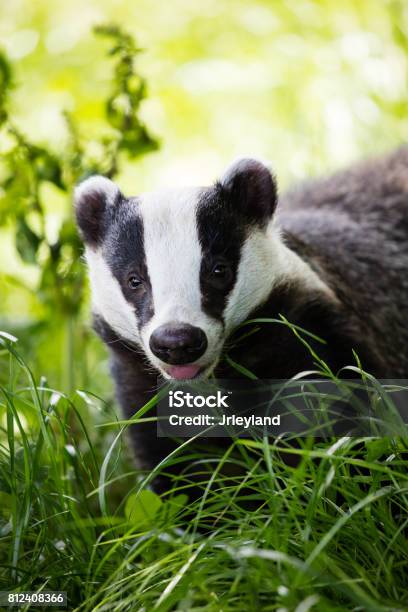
x=183, y=371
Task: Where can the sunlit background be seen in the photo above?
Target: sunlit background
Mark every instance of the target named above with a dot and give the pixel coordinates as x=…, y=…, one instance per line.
x=308, y=85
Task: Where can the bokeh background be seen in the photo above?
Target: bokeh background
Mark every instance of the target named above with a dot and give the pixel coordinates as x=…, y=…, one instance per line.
x=309, y=85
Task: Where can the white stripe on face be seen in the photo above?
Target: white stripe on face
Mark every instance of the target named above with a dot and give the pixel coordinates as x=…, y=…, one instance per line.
x=258, y=270
x=173, y=258
x=266, y=263
x=108, y=299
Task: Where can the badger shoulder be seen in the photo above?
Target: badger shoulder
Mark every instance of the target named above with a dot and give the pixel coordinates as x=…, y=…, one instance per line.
x=352, y=230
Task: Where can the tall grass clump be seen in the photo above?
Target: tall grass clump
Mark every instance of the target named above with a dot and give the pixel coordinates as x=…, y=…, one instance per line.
x=326, y=531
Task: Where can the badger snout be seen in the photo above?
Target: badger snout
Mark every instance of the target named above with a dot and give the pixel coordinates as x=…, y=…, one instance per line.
x=178, y=343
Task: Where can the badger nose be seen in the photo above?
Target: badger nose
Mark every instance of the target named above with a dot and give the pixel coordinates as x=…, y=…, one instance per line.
x=178, y=343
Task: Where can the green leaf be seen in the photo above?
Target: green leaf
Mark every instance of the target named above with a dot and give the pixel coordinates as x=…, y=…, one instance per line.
x=48, y=167
x=377, y=448
x=27, y=241
x=142, y=508
x=174, y=505
x=5, y=86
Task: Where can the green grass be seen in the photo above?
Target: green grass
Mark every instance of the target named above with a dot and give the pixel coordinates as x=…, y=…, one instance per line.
x=325, y=533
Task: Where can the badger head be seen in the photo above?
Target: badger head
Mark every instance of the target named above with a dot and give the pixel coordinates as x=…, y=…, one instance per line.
x=175, y=271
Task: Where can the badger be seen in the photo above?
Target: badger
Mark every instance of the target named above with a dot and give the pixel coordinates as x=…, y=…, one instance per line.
x=174, y=273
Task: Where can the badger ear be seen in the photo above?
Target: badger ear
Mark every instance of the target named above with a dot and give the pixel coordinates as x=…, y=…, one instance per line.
x=250, y=187
x=93, y=198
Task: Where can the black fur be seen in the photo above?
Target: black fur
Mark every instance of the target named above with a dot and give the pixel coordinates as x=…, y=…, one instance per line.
x=221, y=232
x=250, y=189
x=123, y=249
x=247, y=195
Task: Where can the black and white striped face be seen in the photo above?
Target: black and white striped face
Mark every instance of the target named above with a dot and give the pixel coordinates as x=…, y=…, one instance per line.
x=175, y=271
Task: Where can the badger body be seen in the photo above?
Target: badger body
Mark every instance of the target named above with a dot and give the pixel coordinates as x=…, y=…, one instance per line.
x=174, y=274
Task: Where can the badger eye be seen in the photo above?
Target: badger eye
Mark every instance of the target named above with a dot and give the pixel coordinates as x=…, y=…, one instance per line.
x=219, y=270
x=220, y=275
x=134, y=282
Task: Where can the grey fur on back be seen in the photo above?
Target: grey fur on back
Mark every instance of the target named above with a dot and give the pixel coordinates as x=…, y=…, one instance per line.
x=353, y=229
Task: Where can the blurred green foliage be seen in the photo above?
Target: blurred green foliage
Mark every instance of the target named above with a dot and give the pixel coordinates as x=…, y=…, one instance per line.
x=26, y=167
x=308, y=84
